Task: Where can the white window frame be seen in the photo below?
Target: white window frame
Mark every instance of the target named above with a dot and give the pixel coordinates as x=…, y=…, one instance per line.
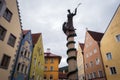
x=97, y=60
x=118, y=37
x=95, y=50
x=100, y=75
x=114, y=70
x=109, y=56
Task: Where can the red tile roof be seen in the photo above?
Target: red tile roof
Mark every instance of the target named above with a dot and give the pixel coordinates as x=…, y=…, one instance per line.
x=81, y=45
x=25, y=31
x=51, y=55
x=96, y=35
x=35, y=37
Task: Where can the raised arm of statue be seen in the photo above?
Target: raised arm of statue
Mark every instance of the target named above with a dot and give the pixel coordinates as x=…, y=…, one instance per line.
x=75, y=11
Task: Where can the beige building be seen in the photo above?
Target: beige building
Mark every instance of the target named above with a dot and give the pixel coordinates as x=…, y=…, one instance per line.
x=10, y=35
x=80, y=62
x=110, y=48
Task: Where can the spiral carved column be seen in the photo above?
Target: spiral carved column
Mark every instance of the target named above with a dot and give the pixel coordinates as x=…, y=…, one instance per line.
x=71, y=52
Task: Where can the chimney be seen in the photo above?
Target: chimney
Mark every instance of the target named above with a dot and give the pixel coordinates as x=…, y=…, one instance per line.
x=48, y=50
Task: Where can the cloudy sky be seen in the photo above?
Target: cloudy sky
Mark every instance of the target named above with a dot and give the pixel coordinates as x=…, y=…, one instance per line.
x=47, y=17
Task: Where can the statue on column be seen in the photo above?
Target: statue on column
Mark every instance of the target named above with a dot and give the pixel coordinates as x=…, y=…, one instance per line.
x=69, y=24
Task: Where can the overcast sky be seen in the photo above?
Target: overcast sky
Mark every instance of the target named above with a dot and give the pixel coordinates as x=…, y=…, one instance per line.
x=47, y=17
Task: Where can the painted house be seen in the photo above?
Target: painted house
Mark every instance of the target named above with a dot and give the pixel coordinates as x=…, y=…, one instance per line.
x=110, y=48
x=93, y=63
x=37, y=64
x=24, y=57
x=10, y=37
x=51, y=70
x=80, y=61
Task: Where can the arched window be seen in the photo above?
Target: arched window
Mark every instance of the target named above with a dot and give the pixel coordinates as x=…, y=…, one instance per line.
x=25, y=53
x=18, y=67
x=26, y=70
x=22, y=68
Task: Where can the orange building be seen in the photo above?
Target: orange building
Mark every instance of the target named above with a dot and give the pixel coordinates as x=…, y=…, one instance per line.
x=92, y=56
x=51, y=70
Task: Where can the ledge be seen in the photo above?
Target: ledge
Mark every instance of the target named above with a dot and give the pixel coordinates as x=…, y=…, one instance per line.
x=70, y=42
x=72, y=57
x=71, y=49
x=71, y=35
x=72, y=72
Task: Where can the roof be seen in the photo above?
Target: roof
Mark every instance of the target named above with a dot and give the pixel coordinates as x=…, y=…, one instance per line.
x=25, y=31
x=35, y=37
x=51, y=55
x=97, y=36
x=65, y=68
x=62, y=75
x=81, y=45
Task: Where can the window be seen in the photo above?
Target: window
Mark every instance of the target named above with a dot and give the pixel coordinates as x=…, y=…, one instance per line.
x=34, y=61
x=109, y=56
x=113, y=70
x=26, y=70
x=29, y=54
x=7, y=14
x=90, y=53
x=51, y=60
x=2, y=32
x=45, y=68
x=118, y=37
x=5, y=61
x=91, y=63
x=46, y=61
x=86, y=65
x=25, y=55
x=51, y=68
x=39, y=51
x=91, y=76
x=95, y=50
x=87, y=76
x=22, y=68
x=51, y=77
x=18, y=67
x=100, y=73
x=1, y=4
x=2, y=7
x=94, y=75
x=97, y=61
x=11, y=40
x=45, y=77
x=39, y=64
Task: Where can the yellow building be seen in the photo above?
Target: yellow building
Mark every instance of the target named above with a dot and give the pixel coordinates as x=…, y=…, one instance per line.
x=80, y=62
x=51, y=70
x=110, y=48
x=10, y=36
x=37, y=64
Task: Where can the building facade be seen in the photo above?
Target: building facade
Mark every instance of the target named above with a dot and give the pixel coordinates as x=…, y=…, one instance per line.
x=37, y=64
x=63, y=71
x=24, y=57
x=51, y=70
x=92, y=56
x=10, y=36
x=110, y=48
x=80, y=62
